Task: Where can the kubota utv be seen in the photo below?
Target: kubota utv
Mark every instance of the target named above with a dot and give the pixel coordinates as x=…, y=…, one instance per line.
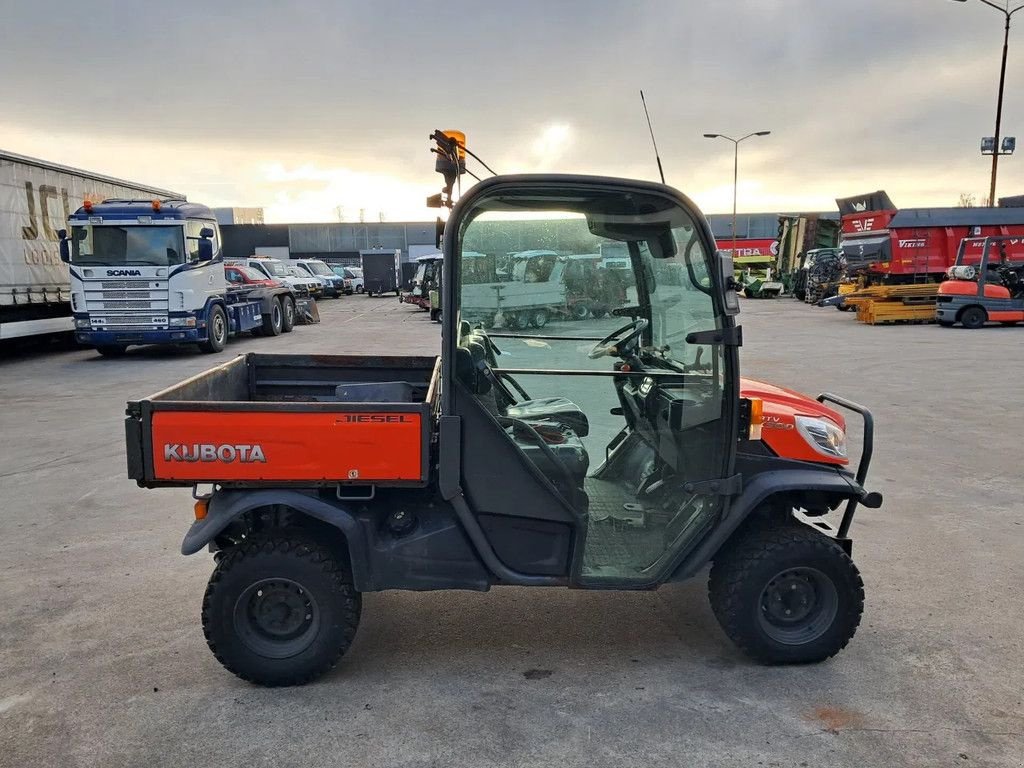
x=620, y=452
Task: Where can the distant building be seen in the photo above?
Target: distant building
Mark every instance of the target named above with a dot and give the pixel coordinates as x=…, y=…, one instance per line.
x=341, y=243
x=238, y=215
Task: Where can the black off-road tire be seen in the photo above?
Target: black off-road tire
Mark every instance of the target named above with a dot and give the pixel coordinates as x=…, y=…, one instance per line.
x=973, y=317
x=216, y=331
x=112, y=350
x=273, y=321
x=745, y=578
x=287, y=314
x=314, y=575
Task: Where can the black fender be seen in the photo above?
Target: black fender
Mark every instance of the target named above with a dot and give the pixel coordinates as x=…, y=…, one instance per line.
x=761, y=487
x=226, y=506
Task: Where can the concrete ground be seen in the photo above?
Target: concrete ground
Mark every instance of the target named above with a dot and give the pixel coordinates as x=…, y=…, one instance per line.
x=103, y=662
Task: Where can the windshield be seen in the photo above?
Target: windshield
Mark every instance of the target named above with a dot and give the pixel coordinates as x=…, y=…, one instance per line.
x=584, y=267
x=296, y=272
x=275, y=267
x=319, y=268
x=134, y=245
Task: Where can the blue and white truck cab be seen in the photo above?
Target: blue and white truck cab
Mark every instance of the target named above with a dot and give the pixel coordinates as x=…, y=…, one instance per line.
x=150, y=272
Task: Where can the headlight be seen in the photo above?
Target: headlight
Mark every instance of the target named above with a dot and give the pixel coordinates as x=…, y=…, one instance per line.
x=188, y=322
x=82, y=322
x=822, y=435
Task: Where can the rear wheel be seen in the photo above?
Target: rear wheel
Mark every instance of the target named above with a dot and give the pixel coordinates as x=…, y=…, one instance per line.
x=280, y=610
x=216, y=331
x=287, y=314
x=973, y=317
x=518, y=321
x=579, y=311
x=112, y=350
x=539, y=318
x=786, y=594
x=272, y=322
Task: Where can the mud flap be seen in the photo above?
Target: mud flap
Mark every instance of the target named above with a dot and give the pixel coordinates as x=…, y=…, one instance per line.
x=306, y=312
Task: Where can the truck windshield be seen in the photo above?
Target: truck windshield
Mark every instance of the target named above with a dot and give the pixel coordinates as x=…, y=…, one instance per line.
x=136, y=245
x=319, y=268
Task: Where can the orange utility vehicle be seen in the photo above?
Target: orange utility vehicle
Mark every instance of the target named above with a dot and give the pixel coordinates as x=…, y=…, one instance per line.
x=619, y=452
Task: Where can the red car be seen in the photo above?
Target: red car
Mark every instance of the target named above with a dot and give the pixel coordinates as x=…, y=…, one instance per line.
x=239, y=275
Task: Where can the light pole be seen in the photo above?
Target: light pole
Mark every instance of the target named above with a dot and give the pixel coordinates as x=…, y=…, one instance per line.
x=999, y=104
x=735, y=173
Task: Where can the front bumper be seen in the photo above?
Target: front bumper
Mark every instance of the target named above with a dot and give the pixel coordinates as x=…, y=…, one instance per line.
x=130, y=336
x=872, y=500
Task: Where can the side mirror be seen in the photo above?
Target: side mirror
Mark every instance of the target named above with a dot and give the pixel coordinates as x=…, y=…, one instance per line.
x=205, y=249
x=729, y=284
x=206, y=233
x=65, y=250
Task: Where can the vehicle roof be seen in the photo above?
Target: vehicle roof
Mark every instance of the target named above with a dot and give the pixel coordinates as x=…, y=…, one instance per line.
x=13, y=157
x=169, y=210
x=956, y=217
x=430, y=257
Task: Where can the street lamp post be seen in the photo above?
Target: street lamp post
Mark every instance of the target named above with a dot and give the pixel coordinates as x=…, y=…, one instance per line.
x=999, y=103
x=735, y=173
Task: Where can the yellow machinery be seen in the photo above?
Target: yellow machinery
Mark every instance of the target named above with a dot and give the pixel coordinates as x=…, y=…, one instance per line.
x=892, y=303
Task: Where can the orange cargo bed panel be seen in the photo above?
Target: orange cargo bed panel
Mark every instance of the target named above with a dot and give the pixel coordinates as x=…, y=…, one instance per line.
x=226, y=446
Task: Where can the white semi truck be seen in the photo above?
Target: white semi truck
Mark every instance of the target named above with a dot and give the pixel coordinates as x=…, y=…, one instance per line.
x=36, y=198
x=152, y=272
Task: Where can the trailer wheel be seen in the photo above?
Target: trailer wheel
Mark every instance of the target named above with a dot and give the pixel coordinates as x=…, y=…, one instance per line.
x=273, y=321
x=973, y=317
x=786, y=594
x=280, y=610
x=579, y=311
x=216, y=331
x=539, y=318
x=287, y=314
x=518, y=321
x=112, y=350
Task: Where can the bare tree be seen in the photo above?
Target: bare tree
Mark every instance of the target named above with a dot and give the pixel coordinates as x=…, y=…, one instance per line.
x=967, y=200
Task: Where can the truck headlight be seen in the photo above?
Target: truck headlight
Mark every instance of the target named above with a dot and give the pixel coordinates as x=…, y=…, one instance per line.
x=187, y=322
x=82, y=322
x=822, y=435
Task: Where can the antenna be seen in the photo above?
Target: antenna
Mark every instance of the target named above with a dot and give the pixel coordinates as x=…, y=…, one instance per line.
x=651, y=129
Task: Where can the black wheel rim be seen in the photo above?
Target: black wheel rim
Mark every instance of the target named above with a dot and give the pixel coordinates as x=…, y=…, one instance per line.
x=276, y=618
x=797, y=606
x=275, y=316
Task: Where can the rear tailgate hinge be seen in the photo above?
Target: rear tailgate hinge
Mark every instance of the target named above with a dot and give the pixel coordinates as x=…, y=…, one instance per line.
x=730, y=337
x=726, y=486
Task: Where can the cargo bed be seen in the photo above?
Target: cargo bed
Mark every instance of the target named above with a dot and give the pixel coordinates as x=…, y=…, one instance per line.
x=303, y=420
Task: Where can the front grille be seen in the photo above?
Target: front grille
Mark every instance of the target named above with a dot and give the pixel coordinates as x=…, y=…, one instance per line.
x=133, y=294
x=127, y=320
x=122, y=304
x=122, y=284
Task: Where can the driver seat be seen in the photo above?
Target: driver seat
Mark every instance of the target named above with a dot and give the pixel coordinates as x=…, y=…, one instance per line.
x=557, y=409
x=472, y=367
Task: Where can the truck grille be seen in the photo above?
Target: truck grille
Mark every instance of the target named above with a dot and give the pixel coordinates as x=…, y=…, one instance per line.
x=135, y=321
x=138, y=285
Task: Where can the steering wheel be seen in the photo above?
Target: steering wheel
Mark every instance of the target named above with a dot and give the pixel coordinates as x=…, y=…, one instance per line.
x=605, y=347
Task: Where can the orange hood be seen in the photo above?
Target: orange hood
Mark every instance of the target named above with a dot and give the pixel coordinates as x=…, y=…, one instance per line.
x=781, y=407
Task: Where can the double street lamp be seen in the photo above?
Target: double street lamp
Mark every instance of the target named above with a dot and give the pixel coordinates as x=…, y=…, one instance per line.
x=996, y=149
x=735, y=172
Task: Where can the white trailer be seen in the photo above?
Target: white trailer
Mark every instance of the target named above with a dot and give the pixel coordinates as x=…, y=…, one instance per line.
x=36, y=199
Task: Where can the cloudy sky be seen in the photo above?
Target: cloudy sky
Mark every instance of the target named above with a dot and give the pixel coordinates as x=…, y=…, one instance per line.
x=323, y=108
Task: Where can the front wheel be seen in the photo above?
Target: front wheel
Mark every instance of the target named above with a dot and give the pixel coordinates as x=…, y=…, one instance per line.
x=786, y=594
x=216, y=331
x=280, y=610
x=973, y=317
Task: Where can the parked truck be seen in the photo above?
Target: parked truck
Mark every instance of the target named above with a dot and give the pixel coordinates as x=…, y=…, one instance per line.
x=36, y=199
x=382, y=271
x=152, y=272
